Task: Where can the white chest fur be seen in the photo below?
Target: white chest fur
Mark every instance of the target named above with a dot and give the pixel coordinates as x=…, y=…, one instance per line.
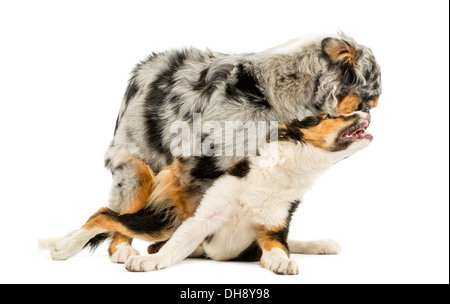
x=263, y=197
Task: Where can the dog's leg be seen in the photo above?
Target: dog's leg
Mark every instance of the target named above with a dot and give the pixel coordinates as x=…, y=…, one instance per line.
x=209, y=217
x=120, y=248
x=145, y=224
x=275, y=252
x=314, y=247
x=133, y=183
x=154, y=248
x=66, y=247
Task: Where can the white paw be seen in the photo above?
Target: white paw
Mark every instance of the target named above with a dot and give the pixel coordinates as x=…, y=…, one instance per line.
x=143, y=263
x=330, y=247
x=277, y=261
x=49, y=243
x=124, y=251
x=64, y=249
x=61, y=248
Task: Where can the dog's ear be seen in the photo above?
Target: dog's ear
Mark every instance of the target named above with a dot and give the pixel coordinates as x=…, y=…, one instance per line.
x=339, y=50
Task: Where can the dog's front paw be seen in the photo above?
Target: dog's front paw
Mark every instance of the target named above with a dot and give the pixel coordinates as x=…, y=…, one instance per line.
x=143, y=263
x=277, y=261
x=123, y=253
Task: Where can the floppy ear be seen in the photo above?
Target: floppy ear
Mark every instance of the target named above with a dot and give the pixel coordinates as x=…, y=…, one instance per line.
x=339, y=50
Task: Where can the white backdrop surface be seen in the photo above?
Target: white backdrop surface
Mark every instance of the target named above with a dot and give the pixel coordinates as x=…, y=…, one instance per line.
x=64, y=67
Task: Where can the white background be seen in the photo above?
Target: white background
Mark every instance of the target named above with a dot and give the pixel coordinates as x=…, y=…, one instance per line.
x=64, y=67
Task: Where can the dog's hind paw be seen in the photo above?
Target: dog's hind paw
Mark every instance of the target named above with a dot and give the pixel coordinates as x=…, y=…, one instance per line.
x=143, y=263
x=124, y=251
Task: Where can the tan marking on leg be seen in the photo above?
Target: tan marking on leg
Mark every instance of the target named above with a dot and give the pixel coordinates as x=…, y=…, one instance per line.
x=118, y=239
x=269, y=238
x=145, y=177
x=172, y=185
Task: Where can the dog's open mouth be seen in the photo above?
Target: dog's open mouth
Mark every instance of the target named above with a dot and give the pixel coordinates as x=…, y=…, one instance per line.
x=356, y=131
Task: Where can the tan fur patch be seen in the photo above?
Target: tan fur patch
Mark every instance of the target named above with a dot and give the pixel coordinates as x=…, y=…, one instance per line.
x=145, y=178
x=324, y=134
x=118, y=239
x=138, y=201
x=268, y=238
x=373, y=103
x=338, y=50
x=348, y=104
x=171, y=185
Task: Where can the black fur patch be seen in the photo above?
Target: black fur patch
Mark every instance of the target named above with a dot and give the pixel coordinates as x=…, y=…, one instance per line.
x=200, y=84
x=240, y=169
x=206, y=168
x=251, y=254
x=318, y=105
x=117, y=125
x=131, y=91
x=309, y=122
x=96, y=241
x=207, y=85
x=145, y=221
x=208, y=238
x=157, y=96
x=291, y=131
x=348, y=74
x=247, y=88
x=282, y=235
x=340, y=146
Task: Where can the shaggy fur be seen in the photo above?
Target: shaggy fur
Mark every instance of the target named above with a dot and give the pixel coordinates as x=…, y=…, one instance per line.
x=245, y=213
x=332, y=75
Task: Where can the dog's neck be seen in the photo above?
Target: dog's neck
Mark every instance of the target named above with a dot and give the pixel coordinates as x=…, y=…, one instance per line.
x=299, y=160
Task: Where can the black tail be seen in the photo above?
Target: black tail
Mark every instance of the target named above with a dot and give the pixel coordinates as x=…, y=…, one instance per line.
x=96, y=241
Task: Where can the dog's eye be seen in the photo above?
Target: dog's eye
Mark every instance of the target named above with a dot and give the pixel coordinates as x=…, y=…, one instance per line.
x=328, y=117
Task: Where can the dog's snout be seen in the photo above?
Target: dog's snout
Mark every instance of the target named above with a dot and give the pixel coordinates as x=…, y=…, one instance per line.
x=365, y=116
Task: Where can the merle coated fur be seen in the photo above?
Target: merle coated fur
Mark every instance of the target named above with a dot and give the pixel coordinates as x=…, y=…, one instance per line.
x=289, y=82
